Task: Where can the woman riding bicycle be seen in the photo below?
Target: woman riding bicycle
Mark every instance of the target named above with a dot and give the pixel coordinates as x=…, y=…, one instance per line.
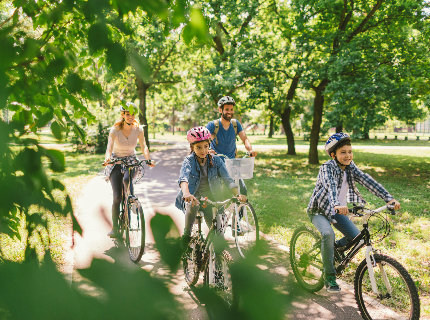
x=122, y=142
x=200, y=176
x=335, y=187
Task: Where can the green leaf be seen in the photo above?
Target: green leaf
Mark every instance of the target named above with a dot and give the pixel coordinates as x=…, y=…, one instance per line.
x=58, y=163
x=55, y=68
x=56, y=130
x=116, y=57
x=74, y=83
x=80, y=132
x=98, y=37
x=141, y=66
x=169, y=247
x=94, y=89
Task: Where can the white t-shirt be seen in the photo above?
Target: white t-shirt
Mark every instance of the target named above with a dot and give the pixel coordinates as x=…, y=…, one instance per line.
x=125, y=146
x=343, y=192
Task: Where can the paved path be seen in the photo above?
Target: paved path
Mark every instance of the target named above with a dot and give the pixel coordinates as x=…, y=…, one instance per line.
x=158, y=191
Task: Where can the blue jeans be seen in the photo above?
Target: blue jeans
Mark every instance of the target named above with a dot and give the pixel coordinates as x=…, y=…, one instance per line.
x=345, y=226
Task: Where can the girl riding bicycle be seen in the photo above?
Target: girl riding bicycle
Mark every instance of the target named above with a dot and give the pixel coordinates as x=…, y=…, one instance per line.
x=200, y=176
x=334, y=188
x=122, y=142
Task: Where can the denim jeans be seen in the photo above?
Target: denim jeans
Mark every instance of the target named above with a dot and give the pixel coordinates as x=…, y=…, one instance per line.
x=345, y=226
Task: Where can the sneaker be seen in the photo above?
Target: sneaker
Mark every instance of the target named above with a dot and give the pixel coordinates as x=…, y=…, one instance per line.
x=114, y=233
x=331, y=284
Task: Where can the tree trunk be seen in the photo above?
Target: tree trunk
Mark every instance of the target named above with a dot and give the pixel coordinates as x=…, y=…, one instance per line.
x=271, y=127
x=285, y=117
x=316, y=124
x=339, y=128
x=286, y=114
x=142, y=89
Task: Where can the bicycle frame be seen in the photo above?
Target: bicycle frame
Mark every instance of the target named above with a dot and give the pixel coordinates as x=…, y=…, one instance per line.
x=212, y=230
x=361, y=240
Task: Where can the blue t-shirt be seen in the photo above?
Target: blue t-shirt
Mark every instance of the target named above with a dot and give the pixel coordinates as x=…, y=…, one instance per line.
x=226, y=139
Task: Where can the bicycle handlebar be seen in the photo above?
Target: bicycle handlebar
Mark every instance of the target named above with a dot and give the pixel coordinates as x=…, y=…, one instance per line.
x=354, y=212
x=215, y=203
x=113, y=161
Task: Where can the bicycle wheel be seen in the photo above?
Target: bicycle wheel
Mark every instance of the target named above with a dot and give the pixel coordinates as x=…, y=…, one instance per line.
x=135, y=231
x=305, y=258
x=401, y=302
x=191, y=261
x=217, y=275
x=246, y=233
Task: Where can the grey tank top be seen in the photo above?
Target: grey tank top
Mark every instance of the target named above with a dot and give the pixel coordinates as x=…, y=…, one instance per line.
x=203, y=188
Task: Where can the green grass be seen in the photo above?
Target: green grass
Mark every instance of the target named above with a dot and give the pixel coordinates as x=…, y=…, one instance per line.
x=282, y=186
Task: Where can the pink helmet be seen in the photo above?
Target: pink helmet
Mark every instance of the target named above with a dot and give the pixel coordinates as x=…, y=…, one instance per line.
x=197, y=134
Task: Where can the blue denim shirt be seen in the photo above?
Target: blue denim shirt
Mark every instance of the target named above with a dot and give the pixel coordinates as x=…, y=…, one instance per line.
x=190, y=172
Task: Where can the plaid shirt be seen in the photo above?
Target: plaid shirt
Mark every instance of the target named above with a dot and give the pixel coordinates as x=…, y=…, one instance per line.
x=326, y=194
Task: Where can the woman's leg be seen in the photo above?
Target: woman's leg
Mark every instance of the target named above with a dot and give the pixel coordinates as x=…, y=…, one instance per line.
x=116, y=182
x=347, y=227
x=327, y=244
x=126, y=179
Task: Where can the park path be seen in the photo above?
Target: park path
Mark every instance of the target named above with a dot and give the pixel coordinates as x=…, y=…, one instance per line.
x=157, y=192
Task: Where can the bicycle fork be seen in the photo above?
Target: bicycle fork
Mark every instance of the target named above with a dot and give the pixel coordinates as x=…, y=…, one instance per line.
x=371, y=263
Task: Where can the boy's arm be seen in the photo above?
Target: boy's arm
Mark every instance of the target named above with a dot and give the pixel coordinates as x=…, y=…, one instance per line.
x=330, y=184
x=370, y=184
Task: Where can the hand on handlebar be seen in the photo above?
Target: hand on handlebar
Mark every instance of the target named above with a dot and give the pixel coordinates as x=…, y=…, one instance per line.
x=241, y=198
x=152, y=163
x=341, y=210
x=395, y=203
x=189, y=198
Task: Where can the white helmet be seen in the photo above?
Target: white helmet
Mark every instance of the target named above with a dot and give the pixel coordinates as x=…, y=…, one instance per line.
x=128, y=104
x=226, y=100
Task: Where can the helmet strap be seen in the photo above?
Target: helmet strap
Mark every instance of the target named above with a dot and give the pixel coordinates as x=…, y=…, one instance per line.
x=338, y=162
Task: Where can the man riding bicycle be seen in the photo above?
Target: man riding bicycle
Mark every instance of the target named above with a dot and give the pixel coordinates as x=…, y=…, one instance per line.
x=224, y=131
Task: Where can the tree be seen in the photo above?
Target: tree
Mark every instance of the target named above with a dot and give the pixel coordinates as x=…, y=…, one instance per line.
x=334, y=31
x=42, y=81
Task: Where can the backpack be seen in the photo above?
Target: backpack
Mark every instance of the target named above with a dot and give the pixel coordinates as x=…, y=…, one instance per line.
x=216, y=123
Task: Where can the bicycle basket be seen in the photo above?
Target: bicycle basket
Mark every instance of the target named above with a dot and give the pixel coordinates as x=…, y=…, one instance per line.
x=379, y=227
x=240, y=168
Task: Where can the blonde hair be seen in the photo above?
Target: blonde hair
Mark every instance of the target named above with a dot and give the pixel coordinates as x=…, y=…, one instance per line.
x=120, y=124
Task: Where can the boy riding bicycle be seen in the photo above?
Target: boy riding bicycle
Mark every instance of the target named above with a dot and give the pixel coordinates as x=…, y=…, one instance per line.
x=200, y=176
x=335, y=187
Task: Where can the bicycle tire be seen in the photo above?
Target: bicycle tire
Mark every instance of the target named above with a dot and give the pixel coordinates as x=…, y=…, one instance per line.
x=135, y=231
x=219, y=282
x=191, y=261
x=404, y=297
x=247, y=233
x=305, y=259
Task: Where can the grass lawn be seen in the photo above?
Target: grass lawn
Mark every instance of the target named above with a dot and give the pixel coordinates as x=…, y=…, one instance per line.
x=282, y=186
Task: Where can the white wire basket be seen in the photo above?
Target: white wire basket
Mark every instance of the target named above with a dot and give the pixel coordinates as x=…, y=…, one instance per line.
x=240, y=168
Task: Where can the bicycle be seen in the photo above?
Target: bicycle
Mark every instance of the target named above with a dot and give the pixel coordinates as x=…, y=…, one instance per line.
x=380, y=282
x=244, y=223
x=131, y=218
x=201, y=255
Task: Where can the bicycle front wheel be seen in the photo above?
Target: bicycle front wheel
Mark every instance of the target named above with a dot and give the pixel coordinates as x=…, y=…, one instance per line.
x=247, y=232
x=191, y=261
x=397, y=296
x=305, y=258
x=135, y=231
